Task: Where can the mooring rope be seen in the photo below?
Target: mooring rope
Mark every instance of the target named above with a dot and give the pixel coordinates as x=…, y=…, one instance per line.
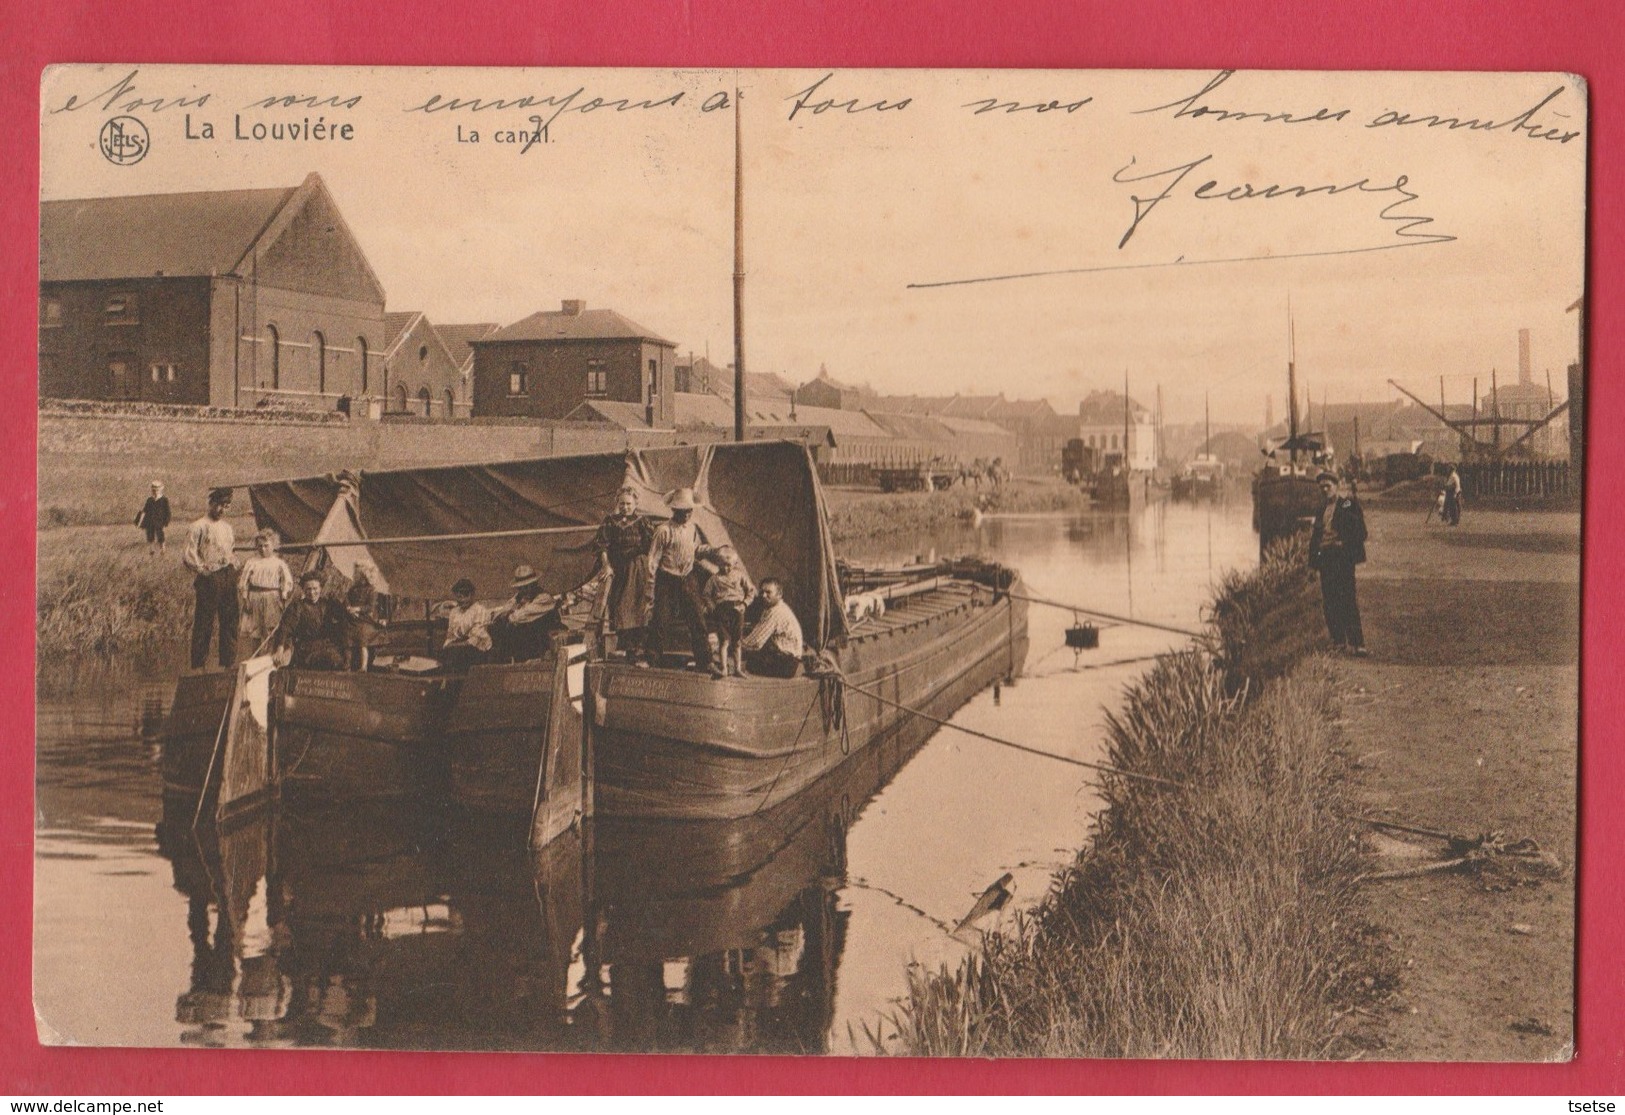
x=1103, y=767
x=1129, y=620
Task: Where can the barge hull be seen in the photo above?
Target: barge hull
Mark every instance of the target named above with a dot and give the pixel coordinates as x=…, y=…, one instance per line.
x=683, y=746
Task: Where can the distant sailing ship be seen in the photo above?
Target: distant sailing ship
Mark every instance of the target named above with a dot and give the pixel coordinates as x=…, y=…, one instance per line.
x=1285, y=495
x=1204, y=475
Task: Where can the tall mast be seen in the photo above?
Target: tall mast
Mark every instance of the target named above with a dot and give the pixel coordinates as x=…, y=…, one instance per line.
x=1291, y=382
x=1125, y=423
x=739, y=276
x=1207, y=426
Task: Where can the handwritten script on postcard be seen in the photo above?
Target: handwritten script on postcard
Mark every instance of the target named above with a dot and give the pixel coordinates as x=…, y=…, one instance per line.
x=867, y=191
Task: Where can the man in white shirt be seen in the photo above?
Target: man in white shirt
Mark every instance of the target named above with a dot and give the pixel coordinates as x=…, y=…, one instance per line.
x=209, y=546
x=674, y=589
x=773, y=647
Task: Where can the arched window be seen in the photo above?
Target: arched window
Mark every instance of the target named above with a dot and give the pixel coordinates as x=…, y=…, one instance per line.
x=451, y=403
x=361, y=347
x=426, y=399
x=276, y=356
x=400, y=398
x=318, y=360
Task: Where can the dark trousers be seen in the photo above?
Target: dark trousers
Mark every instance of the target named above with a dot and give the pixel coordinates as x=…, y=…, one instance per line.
x=1452, y=508
x=216, y=601
x=677, y=601
x=1337, y=597
x=770, y=662
x=728, y=621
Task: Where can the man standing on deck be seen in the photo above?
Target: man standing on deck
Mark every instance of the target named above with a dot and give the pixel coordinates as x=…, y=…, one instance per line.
x=1336, y=546
x=773, y=647
x=676, y=547
x=209, y=545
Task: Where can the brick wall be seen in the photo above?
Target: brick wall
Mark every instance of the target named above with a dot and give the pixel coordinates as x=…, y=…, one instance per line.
x=94, y=467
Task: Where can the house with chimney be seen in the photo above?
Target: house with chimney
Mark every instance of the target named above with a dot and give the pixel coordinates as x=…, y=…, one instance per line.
x=548, y=364
x=225, y=298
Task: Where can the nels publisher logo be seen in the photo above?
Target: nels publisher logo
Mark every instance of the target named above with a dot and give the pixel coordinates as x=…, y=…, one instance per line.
x=124, y=140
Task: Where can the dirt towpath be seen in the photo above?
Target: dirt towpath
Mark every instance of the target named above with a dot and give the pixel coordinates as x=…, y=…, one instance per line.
x=1465, y=720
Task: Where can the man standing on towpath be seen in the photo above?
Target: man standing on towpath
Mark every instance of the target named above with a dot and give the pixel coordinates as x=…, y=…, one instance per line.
x=1335, y=548
x=209, y=545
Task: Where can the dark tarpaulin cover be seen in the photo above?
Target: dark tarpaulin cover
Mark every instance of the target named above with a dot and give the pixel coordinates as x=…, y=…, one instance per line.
x=763, y=497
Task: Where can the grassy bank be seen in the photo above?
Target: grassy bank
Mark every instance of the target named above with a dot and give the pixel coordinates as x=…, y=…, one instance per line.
x=1215, y=919
x=855, y=515
x=98, y=604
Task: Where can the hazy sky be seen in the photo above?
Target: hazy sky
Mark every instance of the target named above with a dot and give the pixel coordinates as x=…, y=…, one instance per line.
x=849, y=213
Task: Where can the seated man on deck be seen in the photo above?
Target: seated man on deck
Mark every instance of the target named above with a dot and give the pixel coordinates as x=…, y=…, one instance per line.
x=773, y=647
x=312, y=632
x=523, y=628
x=468, y=635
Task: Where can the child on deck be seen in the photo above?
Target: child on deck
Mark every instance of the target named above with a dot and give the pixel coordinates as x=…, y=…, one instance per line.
x=726, y=595
x=263, y=590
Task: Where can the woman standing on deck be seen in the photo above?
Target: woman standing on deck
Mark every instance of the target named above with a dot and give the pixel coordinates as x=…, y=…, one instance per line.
x=623, y=548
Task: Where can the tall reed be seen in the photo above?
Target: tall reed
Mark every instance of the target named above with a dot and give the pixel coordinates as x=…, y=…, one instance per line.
x=1214, y=919
x=100, y=606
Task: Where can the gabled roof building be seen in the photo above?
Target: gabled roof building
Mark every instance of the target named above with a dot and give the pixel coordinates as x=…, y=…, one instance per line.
x=225, y=298
x=548, y=364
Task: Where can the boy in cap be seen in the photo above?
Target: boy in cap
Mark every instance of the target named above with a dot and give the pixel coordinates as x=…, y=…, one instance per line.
x=154, y=518
x=209, y=545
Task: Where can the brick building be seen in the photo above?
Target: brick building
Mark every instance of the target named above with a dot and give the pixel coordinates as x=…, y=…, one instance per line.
x=228, y=298
x=457, y=340
x=420, y=374
x=548, y=364
x=826, y=391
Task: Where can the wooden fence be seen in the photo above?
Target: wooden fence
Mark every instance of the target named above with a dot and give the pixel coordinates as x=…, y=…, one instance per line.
x=1519, y=478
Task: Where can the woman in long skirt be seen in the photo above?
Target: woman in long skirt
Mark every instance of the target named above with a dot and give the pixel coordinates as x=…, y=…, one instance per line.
x=623, y=548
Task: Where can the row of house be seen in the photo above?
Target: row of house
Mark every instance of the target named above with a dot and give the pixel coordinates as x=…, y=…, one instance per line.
x=261, y=298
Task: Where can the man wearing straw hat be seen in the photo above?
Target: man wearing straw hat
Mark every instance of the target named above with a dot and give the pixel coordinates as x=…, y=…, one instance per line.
x=677, y=547
x=522, y=629
x=209, y=545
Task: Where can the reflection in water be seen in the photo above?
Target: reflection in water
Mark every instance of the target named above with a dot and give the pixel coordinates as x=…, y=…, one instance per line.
x=391, y=929
x=404, y=928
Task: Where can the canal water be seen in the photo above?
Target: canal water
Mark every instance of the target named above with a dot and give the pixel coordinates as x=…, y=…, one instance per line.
x=791, y=932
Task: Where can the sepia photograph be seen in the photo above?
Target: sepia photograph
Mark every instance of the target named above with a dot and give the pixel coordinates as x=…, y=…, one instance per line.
x=869, y=563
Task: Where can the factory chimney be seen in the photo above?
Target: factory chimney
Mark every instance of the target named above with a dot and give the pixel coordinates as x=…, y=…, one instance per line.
x=1524, y=373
